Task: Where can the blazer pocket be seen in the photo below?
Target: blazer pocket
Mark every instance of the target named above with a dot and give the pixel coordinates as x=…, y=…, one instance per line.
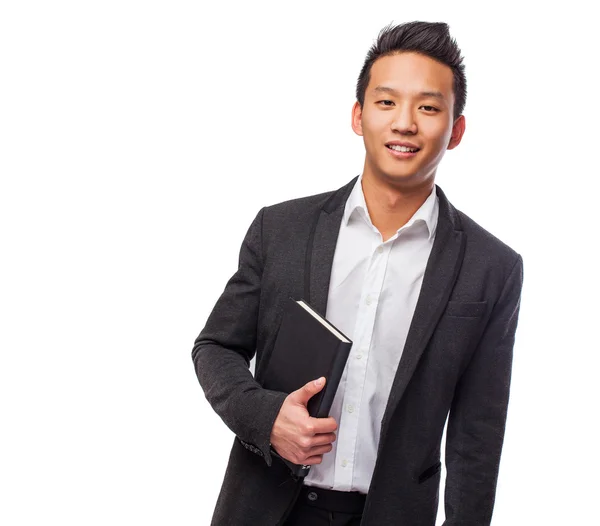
x=466, y=309
x=429, y=472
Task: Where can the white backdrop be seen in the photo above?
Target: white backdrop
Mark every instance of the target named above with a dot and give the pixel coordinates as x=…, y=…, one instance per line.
x=137, y=142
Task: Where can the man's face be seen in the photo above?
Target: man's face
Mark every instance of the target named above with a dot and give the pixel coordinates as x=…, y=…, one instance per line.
x=409, y=100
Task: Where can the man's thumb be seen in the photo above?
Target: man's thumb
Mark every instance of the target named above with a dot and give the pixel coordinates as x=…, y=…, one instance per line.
x=310, y=389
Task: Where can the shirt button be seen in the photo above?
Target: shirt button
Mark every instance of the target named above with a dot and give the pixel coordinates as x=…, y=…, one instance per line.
x=358, y=356
x=380, y=249
x=350, y=408
x=344, y=463
x=369, y=300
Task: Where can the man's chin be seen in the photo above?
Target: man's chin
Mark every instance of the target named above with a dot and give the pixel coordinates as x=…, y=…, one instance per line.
x=402, y=177
x=405, y=180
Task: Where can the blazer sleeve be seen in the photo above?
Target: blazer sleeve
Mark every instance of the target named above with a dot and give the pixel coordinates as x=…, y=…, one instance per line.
x=477, y=417
x=223, y=350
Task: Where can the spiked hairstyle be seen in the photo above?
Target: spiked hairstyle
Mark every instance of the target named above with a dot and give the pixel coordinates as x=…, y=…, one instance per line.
x=431, y=39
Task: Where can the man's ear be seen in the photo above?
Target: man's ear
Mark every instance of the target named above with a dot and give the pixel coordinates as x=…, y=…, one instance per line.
x=458, y=130
x=357, y=118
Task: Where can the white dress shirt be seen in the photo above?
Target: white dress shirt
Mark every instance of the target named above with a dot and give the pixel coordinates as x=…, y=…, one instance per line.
x=373, y=292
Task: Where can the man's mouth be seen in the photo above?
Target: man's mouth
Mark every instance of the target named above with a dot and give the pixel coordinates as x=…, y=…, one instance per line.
x=404, y=149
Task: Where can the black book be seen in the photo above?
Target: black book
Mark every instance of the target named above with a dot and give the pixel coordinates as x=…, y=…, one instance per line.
x=307, y=347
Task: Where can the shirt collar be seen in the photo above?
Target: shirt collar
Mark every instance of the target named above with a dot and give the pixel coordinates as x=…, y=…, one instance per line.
x=356, y=205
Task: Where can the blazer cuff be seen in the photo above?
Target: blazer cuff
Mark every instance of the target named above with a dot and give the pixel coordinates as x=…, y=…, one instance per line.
x=270, y=403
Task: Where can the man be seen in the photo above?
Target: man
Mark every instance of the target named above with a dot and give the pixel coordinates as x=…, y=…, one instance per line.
x=429, y=298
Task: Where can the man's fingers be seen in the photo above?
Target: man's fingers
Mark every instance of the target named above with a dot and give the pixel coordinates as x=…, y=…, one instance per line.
x=300, y=457
x=307, y=391
x=323, y=439
x=320, y=450
x=323, y=425
x=311, y=461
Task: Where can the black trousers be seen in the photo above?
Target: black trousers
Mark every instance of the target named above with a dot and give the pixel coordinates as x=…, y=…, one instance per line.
x=318, y=507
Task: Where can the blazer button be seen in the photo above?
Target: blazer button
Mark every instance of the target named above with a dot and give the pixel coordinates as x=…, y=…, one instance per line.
x=312, y=496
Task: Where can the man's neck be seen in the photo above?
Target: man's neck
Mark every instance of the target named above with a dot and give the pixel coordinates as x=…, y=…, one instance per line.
x=390, y=208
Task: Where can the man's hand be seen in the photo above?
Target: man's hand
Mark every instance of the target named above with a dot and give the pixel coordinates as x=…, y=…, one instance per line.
x=297, y=436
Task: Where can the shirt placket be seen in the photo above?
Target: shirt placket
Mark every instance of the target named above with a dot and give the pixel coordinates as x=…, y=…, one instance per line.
x=357, y=364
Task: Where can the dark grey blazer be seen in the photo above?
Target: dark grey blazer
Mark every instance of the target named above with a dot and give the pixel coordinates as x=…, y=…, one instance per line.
x=457, y=358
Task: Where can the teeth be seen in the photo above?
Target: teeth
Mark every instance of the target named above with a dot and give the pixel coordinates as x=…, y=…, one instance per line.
x=402, y=148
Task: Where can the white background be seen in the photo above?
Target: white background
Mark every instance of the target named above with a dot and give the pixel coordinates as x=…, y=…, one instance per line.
x=137, y=142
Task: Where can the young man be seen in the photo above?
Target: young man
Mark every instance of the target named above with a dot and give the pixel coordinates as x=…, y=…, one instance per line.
x=429, y=298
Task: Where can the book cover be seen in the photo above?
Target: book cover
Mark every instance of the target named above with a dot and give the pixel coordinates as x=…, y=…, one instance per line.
x=307, y=347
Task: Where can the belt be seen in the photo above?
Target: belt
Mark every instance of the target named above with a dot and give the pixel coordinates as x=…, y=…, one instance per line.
x=331, y=500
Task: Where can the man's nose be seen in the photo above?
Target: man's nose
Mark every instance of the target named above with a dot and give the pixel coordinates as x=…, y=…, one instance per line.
x=404, y=121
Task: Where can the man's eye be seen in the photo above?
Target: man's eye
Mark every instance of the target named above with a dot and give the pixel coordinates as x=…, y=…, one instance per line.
x=386, y=102
x=429, y=108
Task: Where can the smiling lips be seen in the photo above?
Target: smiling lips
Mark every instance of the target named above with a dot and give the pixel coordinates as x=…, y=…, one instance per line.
x=402, y=151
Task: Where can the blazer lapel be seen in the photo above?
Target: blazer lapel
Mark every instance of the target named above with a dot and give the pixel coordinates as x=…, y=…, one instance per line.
x=441, y=272
x=321, y=248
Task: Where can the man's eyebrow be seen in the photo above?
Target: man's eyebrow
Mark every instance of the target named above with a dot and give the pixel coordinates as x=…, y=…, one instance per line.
x=435, y=94
x=392, y=91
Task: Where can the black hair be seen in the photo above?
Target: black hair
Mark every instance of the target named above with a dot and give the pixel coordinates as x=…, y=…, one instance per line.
x=431, y=39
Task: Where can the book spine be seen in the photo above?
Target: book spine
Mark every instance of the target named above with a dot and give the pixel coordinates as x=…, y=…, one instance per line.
x=335, y=375
x=297, y=470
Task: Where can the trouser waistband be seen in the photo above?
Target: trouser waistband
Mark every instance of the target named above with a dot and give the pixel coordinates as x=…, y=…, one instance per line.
x=331, y=500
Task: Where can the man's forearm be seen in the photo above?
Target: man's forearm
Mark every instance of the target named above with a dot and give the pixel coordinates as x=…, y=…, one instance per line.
x=245, y=407
x=223, y=350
